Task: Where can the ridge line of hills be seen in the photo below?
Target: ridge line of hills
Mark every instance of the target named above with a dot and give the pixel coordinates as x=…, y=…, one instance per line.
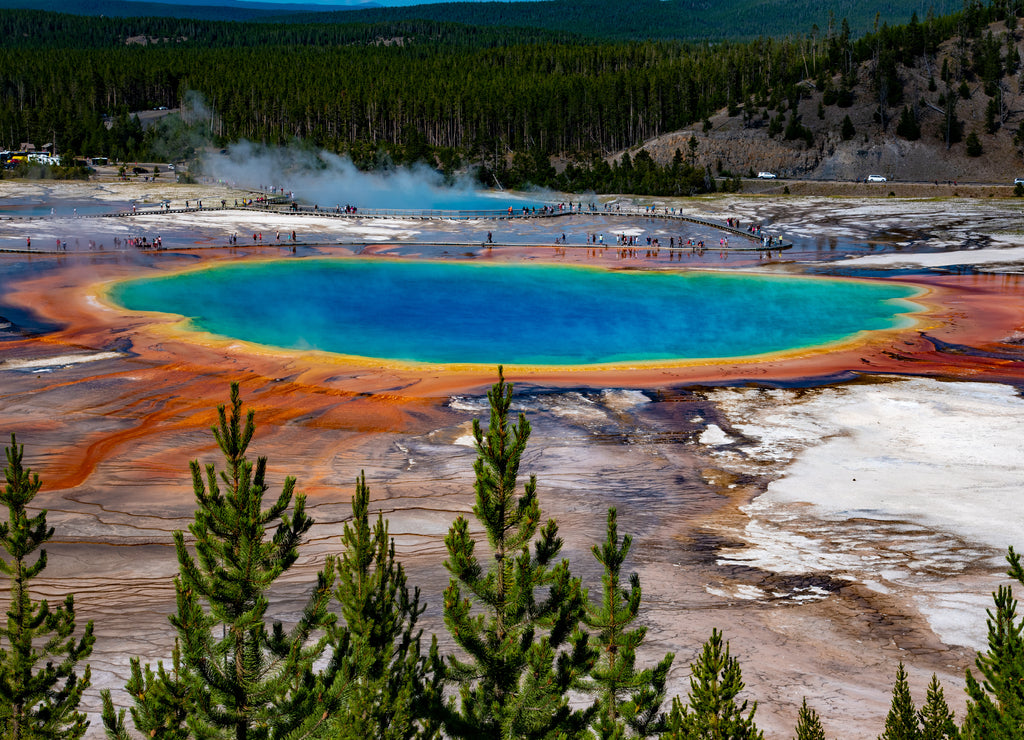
x=691, y=20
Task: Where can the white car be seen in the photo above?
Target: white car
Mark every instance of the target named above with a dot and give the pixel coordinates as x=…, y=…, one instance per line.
x=1019, y=181
x=766, y=175
x=876, y=178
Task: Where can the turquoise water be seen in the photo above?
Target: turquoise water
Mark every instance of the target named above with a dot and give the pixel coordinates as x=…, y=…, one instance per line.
x=444, y=199
x=32, y=207
x=458, y=312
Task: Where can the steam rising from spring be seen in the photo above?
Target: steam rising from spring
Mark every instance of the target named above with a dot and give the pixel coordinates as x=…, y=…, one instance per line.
x=329, y=180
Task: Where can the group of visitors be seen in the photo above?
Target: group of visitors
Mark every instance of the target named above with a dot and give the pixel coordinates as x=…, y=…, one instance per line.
x=137, y=242
x=91, y=245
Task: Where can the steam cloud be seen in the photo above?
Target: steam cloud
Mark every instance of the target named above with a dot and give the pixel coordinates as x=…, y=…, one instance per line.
x=329, y=180
x=318, y=177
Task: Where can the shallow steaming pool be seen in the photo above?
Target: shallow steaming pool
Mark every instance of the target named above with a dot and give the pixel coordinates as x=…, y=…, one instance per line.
x=457, y=312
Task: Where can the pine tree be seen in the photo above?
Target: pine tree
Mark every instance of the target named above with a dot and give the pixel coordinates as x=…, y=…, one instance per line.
x=848, y=131
x=40, y=689
x=713, y=714
x=935, y=716
x=952, y=128
x=391, y=685
x=234, y=677
x=525, y=649
x=901, y=722
x=627, y=698
x=995, y=706
x=908, y=126
x=162, y=702
x=973, y=145
x=808, y=724
x=992, y=117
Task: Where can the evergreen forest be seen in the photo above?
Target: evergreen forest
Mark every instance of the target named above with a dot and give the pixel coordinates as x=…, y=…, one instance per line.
x=505, y=102
x=687, y=20
x=538, y=654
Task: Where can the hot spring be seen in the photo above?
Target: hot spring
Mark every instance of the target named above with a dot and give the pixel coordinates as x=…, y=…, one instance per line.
x=459, y=312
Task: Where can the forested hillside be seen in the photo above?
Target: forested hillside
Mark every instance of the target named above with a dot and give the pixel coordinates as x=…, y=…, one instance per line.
x=130, y=9
x=450, y=94
x=693, y=20
x=36, y=29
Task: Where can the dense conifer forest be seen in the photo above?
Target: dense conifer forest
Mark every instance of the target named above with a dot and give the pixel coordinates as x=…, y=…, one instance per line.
x=691, y=20
x=504, y=100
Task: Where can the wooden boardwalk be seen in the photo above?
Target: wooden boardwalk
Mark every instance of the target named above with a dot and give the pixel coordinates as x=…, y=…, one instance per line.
x=758, y=239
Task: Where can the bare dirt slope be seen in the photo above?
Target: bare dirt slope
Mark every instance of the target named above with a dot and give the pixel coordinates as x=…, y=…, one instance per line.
x=744, y=148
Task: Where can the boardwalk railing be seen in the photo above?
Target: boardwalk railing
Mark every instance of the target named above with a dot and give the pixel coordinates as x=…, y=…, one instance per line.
x=775, y=241
x=304, y=210
x=410, y=213
x=763, y=240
